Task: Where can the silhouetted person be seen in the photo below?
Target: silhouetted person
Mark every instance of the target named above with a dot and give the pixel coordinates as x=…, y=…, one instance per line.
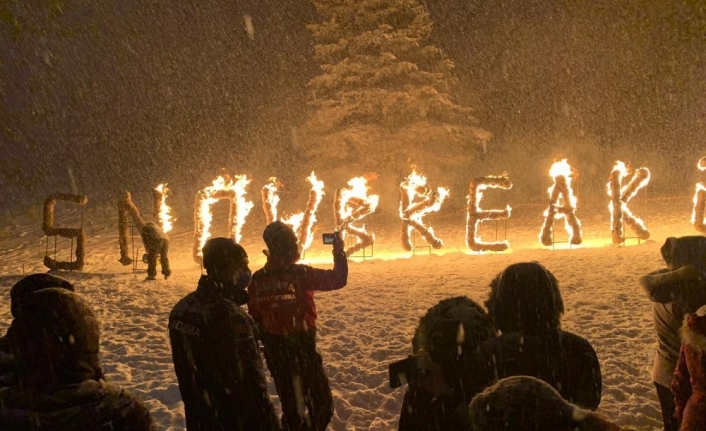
x=156, y=243
x=55, y=338
x=216, y=356
x=25, y=286
x=526, y=306
x=449, y=333
x=675, y=292
x=689, y=384
x=524, y=403
x=282, y=304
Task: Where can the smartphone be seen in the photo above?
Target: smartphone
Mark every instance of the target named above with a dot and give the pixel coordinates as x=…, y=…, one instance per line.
x=408, y=370
x=329, y=238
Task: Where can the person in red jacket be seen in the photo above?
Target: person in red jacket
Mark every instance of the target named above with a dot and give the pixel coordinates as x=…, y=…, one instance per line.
x=689, y=384
x=282, y=305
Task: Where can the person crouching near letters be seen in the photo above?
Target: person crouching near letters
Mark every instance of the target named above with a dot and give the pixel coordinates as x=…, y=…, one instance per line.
x=29, y=284
x=282, y=304
x=449, y=333
x=689, y=383
x=675, y=292
x=214, y=348
x=156, y=243
x=55, y=338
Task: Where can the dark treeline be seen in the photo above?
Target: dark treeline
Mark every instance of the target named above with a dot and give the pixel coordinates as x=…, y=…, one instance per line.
x=128, y=93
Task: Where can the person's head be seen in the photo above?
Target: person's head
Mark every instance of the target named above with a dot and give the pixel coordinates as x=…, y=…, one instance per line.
x=525, y=297
x=450, y=331
x=685, y=250
x=226, y=262
x=55, y=337
x=33, y=283
x=281, y=241
x=525, y=403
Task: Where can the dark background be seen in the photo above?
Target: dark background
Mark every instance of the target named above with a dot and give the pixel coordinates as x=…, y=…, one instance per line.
x=126, y=94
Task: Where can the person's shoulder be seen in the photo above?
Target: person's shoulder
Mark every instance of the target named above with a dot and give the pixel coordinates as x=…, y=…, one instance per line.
x=571, y=339
x=189, y=301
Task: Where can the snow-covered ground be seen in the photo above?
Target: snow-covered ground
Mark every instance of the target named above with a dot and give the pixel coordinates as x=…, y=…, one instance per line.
x=369, y=323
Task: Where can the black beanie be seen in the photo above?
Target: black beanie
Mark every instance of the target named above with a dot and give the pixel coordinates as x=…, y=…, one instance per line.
x=221, y=253
x=33, y=283
x=281, y=240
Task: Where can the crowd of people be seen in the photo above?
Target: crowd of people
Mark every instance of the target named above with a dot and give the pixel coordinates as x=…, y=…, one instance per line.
x=506, y=366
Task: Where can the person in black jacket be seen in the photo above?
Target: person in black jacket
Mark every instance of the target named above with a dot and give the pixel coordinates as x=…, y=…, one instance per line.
x=215, y=351
x=25, y=286
x=156, y=244
x=675, y=292
x=526, y=306
x=55, y=338
x=448, y=333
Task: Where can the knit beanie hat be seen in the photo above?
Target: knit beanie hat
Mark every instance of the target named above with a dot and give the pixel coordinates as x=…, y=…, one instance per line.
x=281, y=240
x=220, y=253
x=33, y=283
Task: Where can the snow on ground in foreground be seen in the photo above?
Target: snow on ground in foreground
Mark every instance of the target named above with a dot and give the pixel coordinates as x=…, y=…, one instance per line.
x=369, y=323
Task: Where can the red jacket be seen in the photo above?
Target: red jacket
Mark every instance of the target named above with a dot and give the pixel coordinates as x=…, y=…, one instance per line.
x=689, y=384
x=282, y=293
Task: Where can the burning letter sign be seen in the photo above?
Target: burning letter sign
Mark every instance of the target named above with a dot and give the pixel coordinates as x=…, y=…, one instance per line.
x=476, y=215
x=619, y=197
x=350, y=205
x=697, y=216
x=562, y=204
x=50, y=230
x=412, y=213
x=223, y=188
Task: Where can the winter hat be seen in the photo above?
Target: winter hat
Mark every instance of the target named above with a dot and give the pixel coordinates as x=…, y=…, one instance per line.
x=450, y=331
x=696, y=322
x=281, y=240
x=685, y=250
x=522, y=403
x=525, y=297
x=223, y=254
x=33, y=283
x=56, y=336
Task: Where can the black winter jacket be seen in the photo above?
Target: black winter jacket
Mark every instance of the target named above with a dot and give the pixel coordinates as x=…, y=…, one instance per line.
x=217, y=362
x=564, y=360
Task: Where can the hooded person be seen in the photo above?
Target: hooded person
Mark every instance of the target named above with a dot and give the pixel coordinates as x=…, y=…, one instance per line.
x=523, y=403
x=156, y=244
x=55, y=338
x=24, y=287
x=448, y=333
x=526, y=306
x=689, y=383
x=675, y=292
x=215, y=351
x=282, y=304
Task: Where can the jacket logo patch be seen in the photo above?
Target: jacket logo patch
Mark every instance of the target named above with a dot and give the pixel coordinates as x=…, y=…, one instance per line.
x=185, y=328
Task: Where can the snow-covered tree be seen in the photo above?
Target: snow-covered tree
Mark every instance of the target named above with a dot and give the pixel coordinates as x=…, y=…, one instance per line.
x=384, y=99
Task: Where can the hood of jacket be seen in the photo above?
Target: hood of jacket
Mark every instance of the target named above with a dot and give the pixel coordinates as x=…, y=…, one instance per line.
x=693, y=332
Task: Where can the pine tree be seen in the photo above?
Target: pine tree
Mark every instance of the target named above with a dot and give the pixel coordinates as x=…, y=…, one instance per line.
x=383, y=100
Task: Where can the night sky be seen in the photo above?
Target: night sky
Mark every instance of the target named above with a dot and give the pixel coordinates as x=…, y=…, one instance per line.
x=133, y=92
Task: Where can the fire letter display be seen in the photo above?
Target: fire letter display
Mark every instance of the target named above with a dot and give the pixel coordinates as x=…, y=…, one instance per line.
x=562, y=204
x=223, y=188
x=476, y=215
x=697, y=215
x=127, y=207
x=161, y=209
x=351, y=205
x=619, y=197
x=50, y=230
x=412, y=212
x=270, y=199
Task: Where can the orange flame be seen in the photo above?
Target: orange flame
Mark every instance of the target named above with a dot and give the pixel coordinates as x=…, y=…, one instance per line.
x=302, y=223
x=165, y=217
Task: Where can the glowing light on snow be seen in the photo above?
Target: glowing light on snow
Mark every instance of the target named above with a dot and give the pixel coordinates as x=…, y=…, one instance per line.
x=162, y=210
x=562, y=204
x=412, y=213
x=351, y=205
x=223, y=188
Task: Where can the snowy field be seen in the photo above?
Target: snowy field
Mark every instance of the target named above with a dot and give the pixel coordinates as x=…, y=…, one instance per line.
x=370, y=322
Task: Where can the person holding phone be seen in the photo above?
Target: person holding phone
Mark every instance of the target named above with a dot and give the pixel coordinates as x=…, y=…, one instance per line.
x=282, y=305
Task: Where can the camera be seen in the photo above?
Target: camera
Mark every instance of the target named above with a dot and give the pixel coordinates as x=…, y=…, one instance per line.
x=410, y=369
x=329, y=238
